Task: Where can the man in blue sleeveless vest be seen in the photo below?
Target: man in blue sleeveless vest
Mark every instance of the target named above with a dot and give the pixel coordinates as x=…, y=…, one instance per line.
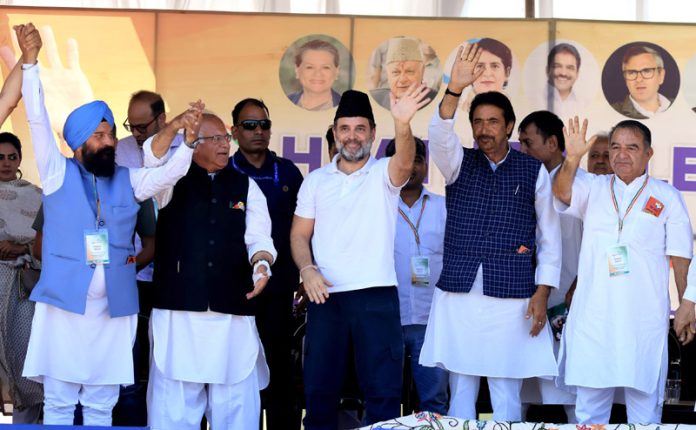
x=87, y=300
x=342, y=241
x=206, y=353
x=501, y=258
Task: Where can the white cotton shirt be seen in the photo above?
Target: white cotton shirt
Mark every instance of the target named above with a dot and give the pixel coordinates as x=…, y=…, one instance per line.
x=622, y=321
x=93, y=348
x=473, y=334
x=130, y=154
x=567, y=108
x=414, y=300
x=540, y=390
x=663, y=101
x=211, y=347
x=354, y=224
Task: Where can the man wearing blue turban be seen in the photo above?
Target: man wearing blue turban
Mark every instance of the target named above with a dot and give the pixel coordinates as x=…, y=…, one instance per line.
x=87, y=299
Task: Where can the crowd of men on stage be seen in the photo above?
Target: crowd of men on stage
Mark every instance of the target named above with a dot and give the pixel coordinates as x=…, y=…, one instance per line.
x=550, y=281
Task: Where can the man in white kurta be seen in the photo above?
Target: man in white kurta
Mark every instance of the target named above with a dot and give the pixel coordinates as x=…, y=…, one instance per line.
x=616, y=333
x=483, y=332
x=541, y=136
x=208, y=361
x=82, y=356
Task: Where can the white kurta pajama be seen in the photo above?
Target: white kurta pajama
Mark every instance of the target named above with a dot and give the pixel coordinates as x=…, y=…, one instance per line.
x=193, y=349
x=616, y=332
x=77, y=352
x=470, y=334
x=544, y=390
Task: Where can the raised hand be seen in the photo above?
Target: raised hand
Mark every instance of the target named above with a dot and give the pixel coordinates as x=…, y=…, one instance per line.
x=575, y=142
x=29, y=41
x=190, y=120
x=404, y=108
x=464, y=71
x=66, y=87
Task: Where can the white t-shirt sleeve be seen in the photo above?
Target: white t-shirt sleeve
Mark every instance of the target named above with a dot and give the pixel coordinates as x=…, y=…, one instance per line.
x=306, y=198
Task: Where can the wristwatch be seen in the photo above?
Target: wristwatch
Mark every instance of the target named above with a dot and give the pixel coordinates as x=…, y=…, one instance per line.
x=191, y=145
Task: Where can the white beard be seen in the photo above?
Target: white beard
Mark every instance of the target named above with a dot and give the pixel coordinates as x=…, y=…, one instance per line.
x=360, y=154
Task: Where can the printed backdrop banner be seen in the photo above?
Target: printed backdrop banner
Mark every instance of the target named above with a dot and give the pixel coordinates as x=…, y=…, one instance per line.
x=300, y=64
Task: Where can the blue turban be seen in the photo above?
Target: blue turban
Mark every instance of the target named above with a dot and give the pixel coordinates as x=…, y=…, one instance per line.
x=83, y=121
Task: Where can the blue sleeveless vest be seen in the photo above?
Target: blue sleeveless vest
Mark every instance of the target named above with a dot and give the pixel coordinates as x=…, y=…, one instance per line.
x=491, y=221
x=71, y=210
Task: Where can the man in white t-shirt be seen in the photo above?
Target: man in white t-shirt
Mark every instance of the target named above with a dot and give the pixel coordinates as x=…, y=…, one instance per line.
x=342, y=241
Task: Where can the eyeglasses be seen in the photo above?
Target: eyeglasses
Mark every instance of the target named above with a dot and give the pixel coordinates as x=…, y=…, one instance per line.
x=217, y=139
x=251, y=124
x=647, y=73
x=140, y=128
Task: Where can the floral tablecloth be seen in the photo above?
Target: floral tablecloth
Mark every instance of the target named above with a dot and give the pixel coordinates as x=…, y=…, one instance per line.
x=430, y=421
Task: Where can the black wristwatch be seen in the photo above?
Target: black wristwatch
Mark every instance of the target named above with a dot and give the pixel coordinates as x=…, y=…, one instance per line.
x=452, y=93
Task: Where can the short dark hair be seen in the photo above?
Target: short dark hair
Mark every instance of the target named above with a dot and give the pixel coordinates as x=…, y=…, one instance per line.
x=391, y=148
x=496, y=99
x=242, y=104
x=563, y=47
x=547, y=124
x=316, y=45
x=330, y=137
x=642, y=49
x=635, y=126
x=7, y=137
x=155, y=100
x=497, y=48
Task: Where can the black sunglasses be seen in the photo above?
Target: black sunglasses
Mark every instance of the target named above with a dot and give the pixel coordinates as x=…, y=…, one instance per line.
x=251, y=124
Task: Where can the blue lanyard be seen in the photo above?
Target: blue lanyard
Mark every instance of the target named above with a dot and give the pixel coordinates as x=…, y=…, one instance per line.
x=276, y=176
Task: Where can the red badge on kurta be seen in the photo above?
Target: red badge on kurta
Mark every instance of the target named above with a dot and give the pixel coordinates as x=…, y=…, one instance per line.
x=653, y=207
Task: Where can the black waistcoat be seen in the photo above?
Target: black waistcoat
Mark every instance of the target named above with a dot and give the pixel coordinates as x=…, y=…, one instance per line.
x=201, y=259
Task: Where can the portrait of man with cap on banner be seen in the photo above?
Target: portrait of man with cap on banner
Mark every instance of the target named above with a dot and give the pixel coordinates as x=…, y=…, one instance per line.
x=342, y=241
x=87, y=300
x=405, y=65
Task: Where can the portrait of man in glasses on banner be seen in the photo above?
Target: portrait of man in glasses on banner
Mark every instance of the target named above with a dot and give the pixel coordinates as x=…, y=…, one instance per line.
x=640, y=80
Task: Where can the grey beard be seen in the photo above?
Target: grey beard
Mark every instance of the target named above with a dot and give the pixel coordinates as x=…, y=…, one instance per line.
x=362, y=153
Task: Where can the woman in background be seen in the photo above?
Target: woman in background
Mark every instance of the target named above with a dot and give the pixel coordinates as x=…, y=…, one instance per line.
x=316, y=68
x=19, y=203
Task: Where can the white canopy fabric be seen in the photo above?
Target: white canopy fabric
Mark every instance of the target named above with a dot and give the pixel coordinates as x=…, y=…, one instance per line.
x=620, y=10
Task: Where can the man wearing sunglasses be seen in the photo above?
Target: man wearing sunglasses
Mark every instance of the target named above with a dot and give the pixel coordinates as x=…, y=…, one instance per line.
x=644, y=72
x=213, y=227
x=280, y=180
